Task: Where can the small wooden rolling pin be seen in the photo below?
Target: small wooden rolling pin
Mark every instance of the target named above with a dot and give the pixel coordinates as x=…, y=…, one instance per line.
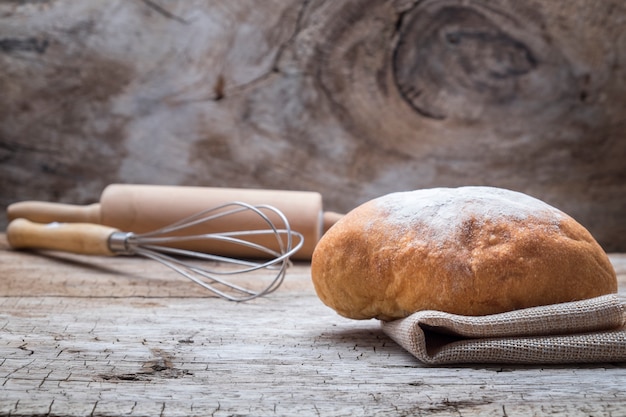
x=144, y=208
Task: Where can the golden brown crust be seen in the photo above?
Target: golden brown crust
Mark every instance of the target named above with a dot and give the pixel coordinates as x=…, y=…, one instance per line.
x=470, y=251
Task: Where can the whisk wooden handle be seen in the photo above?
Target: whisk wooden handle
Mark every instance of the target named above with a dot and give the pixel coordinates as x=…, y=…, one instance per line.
x=81, y=238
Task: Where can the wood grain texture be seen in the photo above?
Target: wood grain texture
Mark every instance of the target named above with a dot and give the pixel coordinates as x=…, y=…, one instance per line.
x=89, y=336
x=354, y=99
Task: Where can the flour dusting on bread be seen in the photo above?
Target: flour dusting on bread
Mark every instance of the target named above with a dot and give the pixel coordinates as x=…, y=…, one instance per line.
x=440, y=212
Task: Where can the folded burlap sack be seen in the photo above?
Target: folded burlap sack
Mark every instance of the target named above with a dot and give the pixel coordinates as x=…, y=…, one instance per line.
x=585, y=331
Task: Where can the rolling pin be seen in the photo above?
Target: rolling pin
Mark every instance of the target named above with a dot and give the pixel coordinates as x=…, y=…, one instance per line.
x=144, y=208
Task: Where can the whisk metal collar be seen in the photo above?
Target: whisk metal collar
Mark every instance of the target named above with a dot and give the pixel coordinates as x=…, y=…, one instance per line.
x=120, y=243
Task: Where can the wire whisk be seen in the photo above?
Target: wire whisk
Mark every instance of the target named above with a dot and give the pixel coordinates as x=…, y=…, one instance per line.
x=267, y=248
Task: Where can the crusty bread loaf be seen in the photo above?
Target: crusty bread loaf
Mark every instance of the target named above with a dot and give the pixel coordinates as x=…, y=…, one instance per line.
x=468, y=250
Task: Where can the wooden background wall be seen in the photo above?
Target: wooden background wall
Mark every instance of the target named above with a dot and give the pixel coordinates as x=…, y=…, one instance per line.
x=353, y=98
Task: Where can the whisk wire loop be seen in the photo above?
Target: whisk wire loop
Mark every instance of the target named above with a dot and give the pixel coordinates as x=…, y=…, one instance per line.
x=160, y=245
x=200, y=277
x=225, y=237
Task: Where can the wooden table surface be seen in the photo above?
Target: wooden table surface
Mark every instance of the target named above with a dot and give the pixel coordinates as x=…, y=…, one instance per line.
x=91, y=336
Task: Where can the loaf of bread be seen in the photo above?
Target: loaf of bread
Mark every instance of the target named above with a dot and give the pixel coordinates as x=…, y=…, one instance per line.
x=467, y=250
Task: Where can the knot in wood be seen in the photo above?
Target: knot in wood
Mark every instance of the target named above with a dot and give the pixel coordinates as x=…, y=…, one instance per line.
x=451, y=59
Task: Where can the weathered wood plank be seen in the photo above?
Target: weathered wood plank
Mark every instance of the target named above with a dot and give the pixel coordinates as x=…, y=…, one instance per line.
x=119, y=357
x=351, y=98
x=80, y=340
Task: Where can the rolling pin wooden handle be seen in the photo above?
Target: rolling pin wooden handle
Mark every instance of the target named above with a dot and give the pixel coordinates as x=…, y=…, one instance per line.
x=330, y=218
x=81, y=238
x=44, y=212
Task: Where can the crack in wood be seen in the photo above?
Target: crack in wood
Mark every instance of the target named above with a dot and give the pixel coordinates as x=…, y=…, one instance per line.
x=25, y=349
x=164, y=12
x=160, y=367
x=38, y=46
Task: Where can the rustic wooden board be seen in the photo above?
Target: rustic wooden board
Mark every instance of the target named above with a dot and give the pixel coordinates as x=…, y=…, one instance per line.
x=351, y=98
x=95, y=336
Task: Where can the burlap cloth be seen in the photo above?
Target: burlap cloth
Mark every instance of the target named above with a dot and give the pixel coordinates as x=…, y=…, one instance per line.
x=578, y=332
